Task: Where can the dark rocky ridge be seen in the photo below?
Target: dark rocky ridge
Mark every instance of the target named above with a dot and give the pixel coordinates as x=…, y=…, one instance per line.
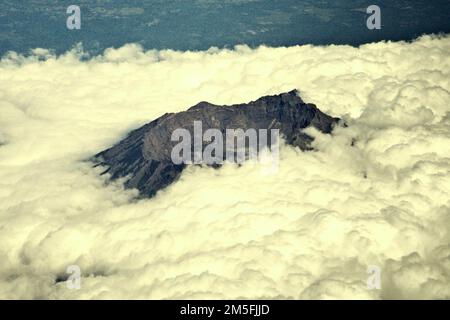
x=144, y=155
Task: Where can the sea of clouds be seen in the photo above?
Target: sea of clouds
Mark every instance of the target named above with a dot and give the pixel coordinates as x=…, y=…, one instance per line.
x=374, y=193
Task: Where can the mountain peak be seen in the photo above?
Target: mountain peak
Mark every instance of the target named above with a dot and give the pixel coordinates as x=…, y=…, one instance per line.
x=146, y=154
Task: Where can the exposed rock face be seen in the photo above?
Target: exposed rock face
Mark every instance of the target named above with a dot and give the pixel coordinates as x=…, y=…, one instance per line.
x=145, y=155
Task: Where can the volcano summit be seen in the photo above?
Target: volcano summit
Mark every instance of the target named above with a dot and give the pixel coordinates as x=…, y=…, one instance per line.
x=145, y=156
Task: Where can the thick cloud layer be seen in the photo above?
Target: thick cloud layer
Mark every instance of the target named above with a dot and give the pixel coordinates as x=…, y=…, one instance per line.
x=374, y=193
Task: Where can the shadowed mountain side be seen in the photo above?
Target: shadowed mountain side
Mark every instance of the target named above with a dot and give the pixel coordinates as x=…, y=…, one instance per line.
x=145, y=154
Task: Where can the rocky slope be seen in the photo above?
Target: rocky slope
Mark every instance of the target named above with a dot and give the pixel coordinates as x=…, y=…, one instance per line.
x=145, y=154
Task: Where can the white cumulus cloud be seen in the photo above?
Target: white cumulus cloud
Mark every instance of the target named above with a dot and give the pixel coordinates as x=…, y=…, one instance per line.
x=374, y=193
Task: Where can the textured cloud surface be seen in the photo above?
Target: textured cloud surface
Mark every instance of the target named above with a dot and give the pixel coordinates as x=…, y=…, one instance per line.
x=374, y=193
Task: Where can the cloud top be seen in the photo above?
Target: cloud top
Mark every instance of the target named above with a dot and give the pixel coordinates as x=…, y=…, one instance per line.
x=374, y=193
